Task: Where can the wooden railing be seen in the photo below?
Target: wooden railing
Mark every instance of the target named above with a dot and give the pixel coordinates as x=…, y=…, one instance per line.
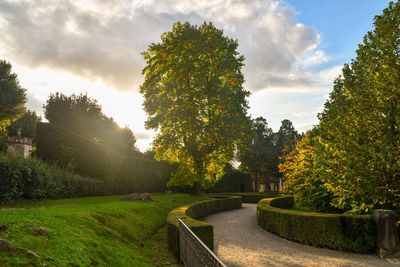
x=193, y=252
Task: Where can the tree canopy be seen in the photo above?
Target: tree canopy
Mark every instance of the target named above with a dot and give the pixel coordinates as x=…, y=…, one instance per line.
x=265, y=150
x=83, y=116
x=257, y=157
x=12, y=95
x=25, y=126
x=355, y=154
x=194, y=98
x=360, y=123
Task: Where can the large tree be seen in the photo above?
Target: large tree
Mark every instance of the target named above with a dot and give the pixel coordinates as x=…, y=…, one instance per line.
x=12, y=95
x=360, y=124
x=303, y=177
x=194, y=98
x=285, y=142
x=258, y=158
x=82, y=116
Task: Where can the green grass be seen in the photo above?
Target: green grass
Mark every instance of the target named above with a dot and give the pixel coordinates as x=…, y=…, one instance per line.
x=97, y=231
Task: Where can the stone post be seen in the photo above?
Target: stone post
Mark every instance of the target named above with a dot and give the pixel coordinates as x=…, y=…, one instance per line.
x=387, y=236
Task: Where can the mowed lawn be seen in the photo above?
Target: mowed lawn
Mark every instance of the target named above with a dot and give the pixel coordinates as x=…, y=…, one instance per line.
x=98, y=231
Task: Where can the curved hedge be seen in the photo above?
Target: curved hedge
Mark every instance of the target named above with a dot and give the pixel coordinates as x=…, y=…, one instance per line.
x=354, y=233
x=189, y=215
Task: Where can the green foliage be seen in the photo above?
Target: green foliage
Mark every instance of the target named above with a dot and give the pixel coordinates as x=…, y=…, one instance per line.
x=32, y=178
x=3, y=139
x=303, y=177
x=91, y=231
x=121, y=174
x=12, y=95
x=83, y=117
x=360, y=124
x=354, y=233
x=193, y=96
x=352, y=161
x=232, y=181
x=257, y=158
x=285, y=141
x=266, y=149
x=189, y=215
x=81, y=138
x=25, y=126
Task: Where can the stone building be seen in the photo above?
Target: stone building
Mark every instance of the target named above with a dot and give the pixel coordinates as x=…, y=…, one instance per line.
x=21, y=146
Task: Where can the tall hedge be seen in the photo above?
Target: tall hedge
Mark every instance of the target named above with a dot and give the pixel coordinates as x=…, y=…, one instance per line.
x=122, y=174
x=354, y=233
x=32, y=178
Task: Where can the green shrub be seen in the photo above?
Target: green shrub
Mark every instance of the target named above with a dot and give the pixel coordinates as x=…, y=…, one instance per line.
x=32, y=178
x=354, y=233
x=189, y=215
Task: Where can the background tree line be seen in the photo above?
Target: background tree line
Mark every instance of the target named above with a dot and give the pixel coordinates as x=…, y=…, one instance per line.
x=265, y=150
x=86, y=151
x=79, y=137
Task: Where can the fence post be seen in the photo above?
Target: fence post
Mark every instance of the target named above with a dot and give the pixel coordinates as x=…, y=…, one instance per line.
x=387, y=235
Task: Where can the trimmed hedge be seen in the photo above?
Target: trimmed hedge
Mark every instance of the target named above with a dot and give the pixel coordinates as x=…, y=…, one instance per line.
x=189, y=215
x=354, y=233
x=32, y=178
x=251, y=197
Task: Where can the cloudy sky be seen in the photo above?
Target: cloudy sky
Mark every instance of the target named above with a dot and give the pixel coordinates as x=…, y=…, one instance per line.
x=293, y=49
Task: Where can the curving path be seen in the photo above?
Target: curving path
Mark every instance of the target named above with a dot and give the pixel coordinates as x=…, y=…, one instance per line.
x=239, y=241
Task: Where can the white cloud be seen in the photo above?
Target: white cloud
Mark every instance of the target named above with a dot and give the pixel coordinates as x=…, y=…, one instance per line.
x=94, y=46
x=328, y=76
x=102, y=39
x=142, y=135
x=316, y=58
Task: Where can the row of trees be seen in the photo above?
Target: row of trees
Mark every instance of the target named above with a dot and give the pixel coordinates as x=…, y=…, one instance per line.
x=265, y=150
x=351, y=161
x=195, y=100
x=80, y=138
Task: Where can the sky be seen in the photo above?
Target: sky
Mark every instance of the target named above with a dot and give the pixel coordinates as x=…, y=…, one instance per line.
x=294, y=49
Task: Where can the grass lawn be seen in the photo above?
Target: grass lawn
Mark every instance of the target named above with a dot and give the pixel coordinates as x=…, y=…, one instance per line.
x=98, y=231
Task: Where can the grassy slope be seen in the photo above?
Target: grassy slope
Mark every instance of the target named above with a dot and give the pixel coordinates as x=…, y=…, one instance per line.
x=90, y=231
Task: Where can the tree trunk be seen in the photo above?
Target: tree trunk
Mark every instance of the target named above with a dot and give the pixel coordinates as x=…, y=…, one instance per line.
x=197, y=190
x=267, y=184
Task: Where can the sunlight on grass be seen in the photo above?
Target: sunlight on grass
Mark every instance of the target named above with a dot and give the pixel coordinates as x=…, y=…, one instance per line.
x=90, y=231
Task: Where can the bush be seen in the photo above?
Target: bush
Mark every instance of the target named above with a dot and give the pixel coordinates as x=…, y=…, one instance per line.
x=32, y=178
x=189, y=215
x=354, y=233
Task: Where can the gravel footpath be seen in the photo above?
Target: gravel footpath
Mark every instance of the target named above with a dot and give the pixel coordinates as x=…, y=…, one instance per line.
x=239, y=241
